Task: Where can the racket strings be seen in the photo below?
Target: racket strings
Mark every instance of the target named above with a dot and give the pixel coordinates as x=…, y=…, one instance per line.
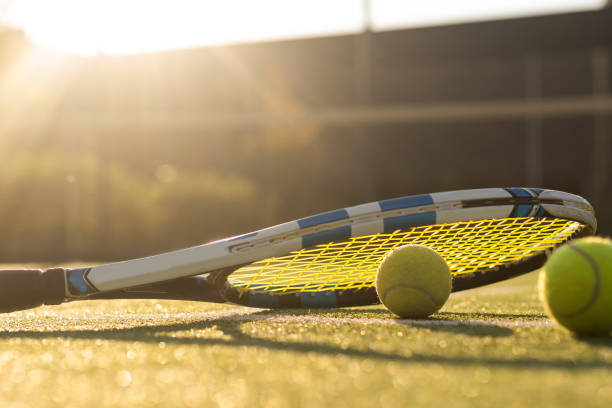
x=467, y=247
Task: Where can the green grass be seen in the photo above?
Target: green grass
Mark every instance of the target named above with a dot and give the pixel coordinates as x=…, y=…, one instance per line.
x=489, y=347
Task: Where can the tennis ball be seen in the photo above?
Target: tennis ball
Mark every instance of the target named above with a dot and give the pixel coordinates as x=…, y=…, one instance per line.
x=575, y=286
x=413, y=281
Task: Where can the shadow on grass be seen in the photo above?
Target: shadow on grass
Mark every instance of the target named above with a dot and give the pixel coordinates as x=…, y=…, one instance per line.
x=451, y=324
x=235, y=336
x=494, y=316
x=384, y=313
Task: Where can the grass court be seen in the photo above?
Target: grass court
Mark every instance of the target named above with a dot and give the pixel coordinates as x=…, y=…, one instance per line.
x=493, y=346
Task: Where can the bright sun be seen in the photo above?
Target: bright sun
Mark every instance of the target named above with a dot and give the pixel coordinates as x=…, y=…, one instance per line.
x=91, y=27
x=111, y=26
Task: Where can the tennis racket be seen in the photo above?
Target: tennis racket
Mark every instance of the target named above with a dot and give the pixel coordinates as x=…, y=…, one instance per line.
x=330, y=259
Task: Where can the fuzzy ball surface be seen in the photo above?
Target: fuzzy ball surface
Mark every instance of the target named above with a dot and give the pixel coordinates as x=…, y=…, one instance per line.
x=413, y=281
x=575, y=286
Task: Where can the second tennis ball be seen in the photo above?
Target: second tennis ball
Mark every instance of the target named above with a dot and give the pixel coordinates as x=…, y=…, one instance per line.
x=576, y=286
x=413, y=281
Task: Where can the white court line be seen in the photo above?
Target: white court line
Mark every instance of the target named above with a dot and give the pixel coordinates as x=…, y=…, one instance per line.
x=255, y=315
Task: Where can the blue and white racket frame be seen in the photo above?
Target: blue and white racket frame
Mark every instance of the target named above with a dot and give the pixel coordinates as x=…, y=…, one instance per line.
x=384, y=216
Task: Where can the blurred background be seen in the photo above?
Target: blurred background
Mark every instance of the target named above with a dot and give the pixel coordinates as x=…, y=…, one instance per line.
x=133, y=127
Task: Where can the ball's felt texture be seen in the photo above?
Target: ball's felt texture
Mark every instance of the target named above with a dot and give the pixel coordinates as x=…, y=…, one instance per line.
x=575, y=286
x=413, y=281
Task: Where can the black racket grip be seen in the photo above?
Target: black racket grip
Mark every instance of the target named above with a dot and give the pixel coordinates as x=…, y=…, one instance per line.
x=28, y=288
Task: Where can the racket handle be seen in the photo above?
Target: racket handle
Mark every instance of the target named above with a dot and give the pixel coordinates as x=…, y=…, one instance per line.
x=28, y=288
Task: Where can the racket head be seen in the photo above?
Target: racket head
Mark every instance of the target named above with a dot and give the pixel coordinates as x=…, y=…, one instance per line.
x=485, y=235
x=340, y=274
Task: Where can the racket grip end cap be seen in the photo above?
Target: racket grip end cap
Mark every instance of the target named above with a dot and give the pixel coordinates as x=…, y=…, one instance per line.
x=29, y=288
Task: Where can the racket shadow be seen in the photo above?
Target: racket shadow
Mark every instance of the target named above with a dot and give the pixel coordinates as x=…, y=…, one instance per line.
x=439, y=322
x=235, y=336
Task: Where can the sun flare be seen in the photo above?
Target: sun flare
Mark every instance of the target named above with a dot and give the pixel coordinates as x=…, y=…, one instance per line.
x=133, y=26
x=110, y=27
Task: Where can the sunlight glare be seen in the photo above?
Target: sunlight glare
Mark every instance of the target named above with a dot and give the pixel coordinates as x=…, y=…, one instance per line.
x=114, y=27
x=133, y=26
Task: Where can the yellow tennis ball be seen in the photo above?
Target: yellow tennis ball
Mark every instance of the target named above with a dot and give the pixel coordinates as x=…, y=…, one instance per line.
x=576, y=286
x=413, y=281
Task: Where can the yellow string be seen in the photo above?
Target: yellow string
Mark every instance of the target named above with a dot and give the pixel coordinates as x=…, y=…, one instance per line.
x=467, y=247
